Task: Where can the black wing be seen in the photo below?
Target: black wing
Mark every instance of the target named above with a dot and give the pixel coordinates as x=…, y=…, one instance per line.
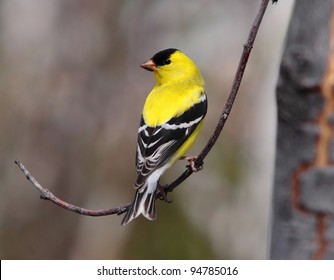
x=156, y=145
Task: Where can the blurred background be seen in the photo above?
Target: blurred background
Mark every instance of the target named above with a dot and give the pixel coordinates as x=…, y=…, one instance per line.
x=71, y=98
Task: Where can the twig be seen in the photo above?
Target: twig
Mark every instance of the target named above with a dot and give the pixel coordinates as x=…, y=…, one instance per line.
x=230, y=100
x=47, y=195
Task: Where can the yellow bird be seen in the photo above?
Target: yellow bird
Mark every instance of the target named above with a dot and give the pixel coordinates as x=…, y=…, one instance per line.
x=171, y=120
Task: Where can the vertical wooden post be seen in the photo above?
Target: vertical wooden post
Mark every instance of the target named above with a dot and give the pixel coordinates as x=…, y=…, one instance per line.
x=303, y=196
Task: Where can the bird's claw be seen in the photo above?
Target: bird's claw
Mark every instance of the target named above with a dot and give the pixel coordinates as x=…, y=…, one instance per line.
x=192, y=161
x=163, y=195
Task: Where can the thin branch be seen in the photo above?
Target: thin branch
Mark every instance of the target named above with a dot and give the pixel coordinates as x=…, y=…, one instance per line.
x=230, y=100
x=47, y=195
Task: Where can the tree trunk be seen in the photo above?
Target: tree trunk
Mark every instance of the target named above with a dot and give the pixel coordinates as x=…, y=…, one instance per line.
x=303, y=197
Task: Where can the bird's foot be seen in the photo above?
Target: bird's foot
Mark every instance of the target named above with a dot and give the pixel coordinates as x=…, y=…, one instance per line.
x=163, y=194
x=192, y=161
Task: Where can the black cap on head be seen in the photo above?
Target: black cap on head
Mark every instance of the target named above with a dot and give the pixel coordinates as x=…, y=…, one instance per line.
x=163, y=57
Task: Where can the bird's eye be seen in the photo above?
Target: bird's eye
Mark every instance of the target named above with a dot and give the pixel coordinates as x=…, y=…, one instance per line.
x=167, y=61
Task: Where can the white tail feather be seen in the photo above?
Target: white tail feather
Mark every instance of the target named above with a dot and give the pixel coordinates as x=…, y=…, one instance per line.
x=143, y=203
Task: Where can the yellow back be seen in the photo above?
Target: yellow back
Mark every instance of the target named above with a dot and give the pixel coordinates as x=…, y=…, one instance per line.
x=179, y=86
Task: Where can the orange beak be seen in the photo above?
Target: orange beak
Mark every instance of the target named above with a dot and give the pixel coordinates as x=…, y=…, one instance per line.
x=149, y=65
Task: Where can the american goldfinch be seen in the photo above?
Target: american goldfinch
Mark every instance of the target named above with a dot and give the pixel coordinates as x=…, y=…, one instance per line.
x=171, y=120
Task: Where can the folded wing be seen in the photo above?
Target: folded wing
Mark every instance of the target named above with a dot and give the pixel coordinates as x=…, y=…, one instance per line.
x=156, y=145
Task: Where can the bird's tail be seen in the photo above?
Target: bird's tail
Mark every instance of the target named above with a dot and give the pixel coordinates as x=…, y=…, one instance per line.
x=144, y=203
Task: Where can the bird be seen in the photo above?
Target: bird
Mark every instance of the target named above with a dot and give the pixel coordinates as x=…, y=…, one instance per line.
x=170, y=122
